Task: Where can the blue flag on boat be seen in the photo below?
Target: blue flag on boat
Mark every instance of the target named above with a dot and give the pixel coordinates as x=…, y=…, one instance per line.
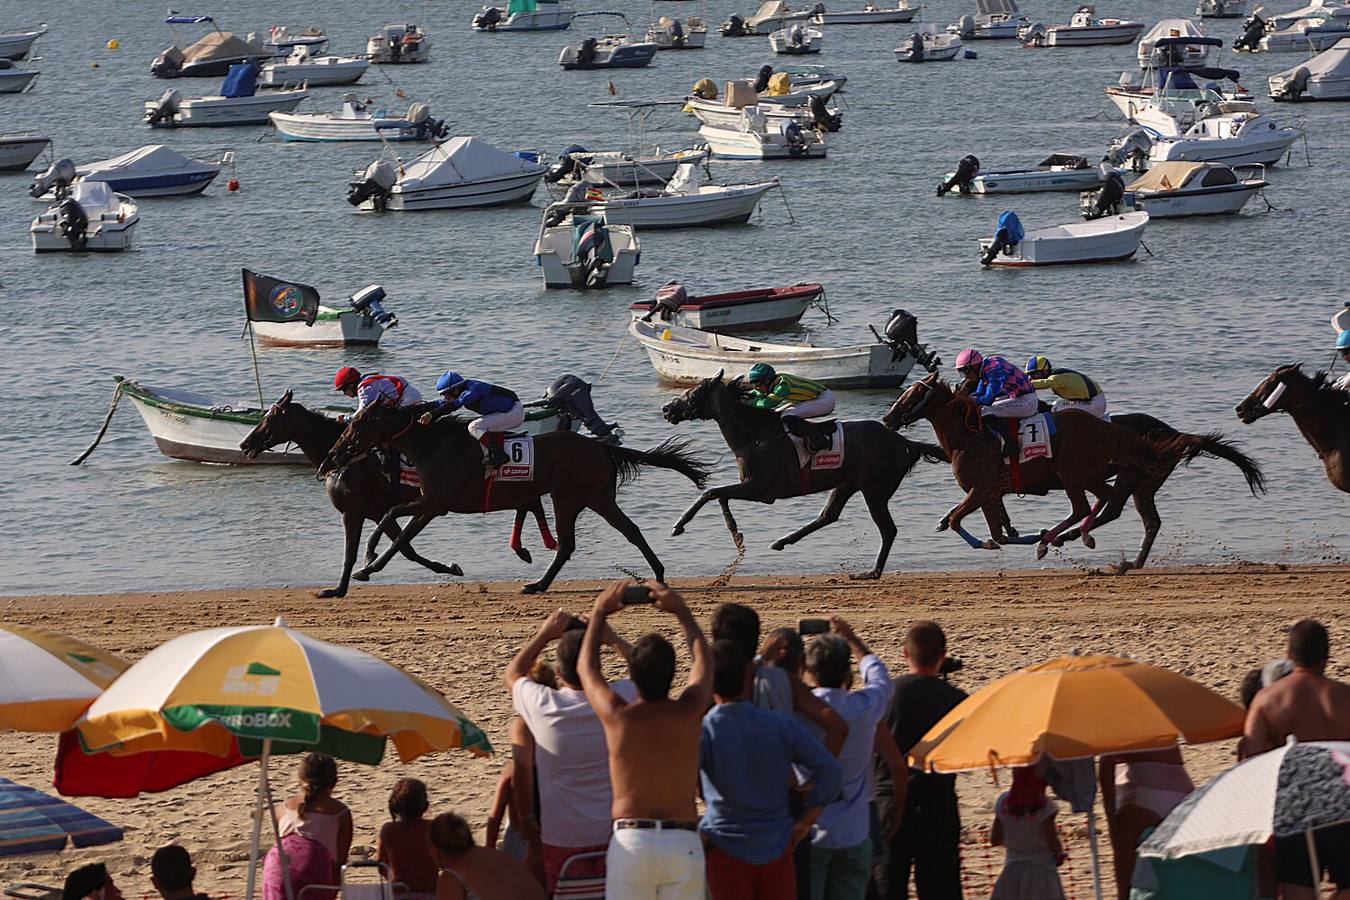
x=268, y=299
x=34, y=822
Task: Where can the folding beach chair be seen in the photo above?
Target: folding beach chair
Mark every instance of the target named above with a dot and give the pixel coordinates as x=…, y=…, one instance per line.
x=357, y=883
x=580, y=887
x=27, y=890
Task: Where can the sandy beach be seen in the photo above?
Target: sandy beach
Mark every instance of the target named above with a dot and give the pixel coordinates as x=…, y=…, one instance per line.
x=1212, y=624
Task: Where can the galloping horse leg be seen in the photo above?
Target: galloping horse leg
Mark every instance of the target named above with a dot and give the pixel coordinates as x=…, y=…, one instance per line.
x=419, y=521
x=994, y=516
x=1081, y=509
x=1104, y=493
x=520, y=549
x=351, y=527
x=829, y=514
x=538, y=509
x=610, y=512
x=1148, y=512
x=878, y=498
x=969, y=504
x=565, y=519
x=413, y=556
x=741, y=490
x=736, y=537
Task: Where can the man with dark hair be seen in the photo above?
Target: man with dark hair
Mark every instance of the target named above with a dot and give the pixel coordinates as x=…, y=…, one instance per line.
x=172, y=872
x=91, y=881
x=1308, y=706
x=570, y=752
x=928, y=839
x=746, y=760
x=653, y=754
x=841, y=845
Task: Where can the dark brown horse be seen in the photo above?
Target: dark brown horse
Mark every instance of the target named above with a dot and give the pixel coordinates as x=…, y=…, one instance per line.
x=577, y=472
x=875, y=461
x=1321, y=412
x=1085, y=453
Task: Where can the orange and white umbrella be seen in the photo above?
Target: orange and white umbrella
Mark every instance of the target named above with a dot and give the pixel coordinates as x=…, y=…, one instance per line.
x=47, y=679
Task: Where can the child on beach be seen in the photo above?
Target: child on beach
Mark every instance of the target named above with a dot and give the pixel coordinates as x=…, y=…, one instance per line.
x=1024, y=823
x=316, y=832
x=469, y=872
x=404, y=844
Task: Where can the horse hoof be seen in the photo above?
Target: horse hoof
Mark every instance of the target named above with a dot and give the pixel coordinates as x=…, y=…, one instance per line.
x=677, y=531
x=331, y=592
x=533, y=588
x=943, y=525
x=1012, y=532
x=361, y=575
x=455, y=570
x=524, y=554
x=777, y=545
x=1089, y=541
x=872, y=575
x=991, y=545
x=1041, y=548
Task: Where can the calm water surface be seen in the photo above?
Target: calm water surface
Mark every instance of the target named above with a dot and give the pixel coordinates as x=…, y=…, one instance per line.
x=1183, y=333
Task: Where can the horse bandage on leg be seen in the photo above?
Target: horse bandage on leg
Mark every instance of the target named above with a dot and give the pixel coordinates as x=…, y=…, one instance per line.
x=515, y=536
x=546, y=536
x=1275, y=395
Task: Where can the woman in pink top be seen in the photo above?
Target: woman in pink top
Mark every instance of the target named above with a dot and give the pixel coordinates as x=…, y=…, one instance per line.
x=316, y=832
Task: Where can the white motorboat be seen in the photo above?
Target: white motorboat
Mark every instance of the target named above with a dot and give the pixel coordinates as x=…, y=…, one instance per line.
x=688, y=355
x=526, y=15
x=1307, y=35
x=806, y=106
x=1324, y=77
x=686, y=202
x=578, y=249
x=621, y=168
x=283, y=40
x=1100, y=240
x=18, y=150
x=771, y=16
x=315, y=71
x=1236, y=138
x=1057, y=172
x=1085, y=29
x=669, y=33
x=14, y=80
x=1176, y=189
x=356, y=122
x=1176, y=43
x=18, y=44
x=608, y=51
x=870, y=15
x=801, y=75
x=797, y=40
x=754, y=136
x=399, y=43
x=210, y=57
x=150, y=171
x=929, y=45
x=86, y=216
x=723, y=116
x=238, y=103
x=995, y=20
x=1221, y=9
x=753, y=310
x=361, y=323
x=1178, y=95
x=462, y=173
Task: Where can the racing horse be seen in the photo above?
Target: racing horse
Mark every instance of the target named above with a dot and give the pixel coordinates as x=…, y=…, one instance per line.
x=875, y=461
x=577, y=472
x=1321, y=412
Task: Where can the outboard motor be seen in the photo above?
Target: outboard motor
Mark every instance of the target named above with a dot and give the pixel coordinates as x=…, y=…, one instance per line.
x=165, y=109
x=734, y=27
x=73, y=223
x=566, y=165
x=367, y=302
x=593, y=268
x=762, y=79
x=1131, y=149
x=965, y=27
x=586, y=52
x=488, y=18
x=168, y=64
x=1033, y=36
x=571, y=397
x=902, y=333
x=796, y=141
x=822, y=118
x=965, y=173
x=916, y=47
x=56, y=179
x=375, y=185
x=1106, y=200
x=676, y=33
x=427, y=128
x=1252, y=32
x=1008, y=235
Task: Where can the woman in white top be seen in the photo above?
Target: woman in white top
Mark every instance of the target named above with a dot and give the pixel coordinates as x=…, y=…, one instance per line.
x=1138, y=791
x=1024, y=823
x=316, y=830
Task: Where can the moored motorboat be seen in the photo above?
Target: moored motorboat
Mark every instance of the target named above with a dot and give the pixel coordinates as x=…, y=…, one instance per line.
x=86, y=215
x=1307, y=35
x=1221, y=9
x=1176, y=44
x=1324, y=77
x=354, y=122
x=927, y=44
x=1177, y=189
x=870, y=14
x=621, y=168
x=1100, y=240
x=361, y=323
x=995, y=20
x=801, y=75
x=397, y=44
x=1234, y=137
x=525, y=15
x=14, y=80
x=316, y=71
x=754, y=136
x=19, y=149
x=283, y=40
x=609, y=51
x=209, y=57
x=669, y=33
x=797, y=40
x=725, y=313
x=150, y=171
x=1085, y=29
x=686, y=202
x=580, y=248
x=18, y=44
x=1175, y=93
x=462, y=173
x=238, y=103
x=1057, y=172
x=725, y=111
x=771, y=16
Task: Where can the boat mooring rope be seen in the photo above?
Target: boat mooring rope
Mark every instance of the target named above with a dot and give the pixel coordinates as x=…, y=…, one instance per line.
x=614, y=357
x=112, y=408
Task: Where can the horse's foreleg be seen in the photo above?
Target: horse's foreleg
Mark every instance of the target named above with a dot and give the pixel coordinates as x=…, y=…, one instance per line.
x=1104, y=493
x=971, y=502
x=393, y=532
x=412, y=507
x=565, y=518
x=1081, y=510
x=741, y=490
x=413, y=556
x=419, y=521
x=736, y=537
x=619, y=520
x=829, y=514
x=351, y=526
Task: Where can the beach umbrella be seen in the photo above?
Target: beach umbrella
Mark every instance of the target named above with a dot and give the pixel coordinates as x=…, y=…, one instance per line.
x=1293, y=790
x=34, y=822
x=47, y=679
x=1076, y=707
x=253, y=691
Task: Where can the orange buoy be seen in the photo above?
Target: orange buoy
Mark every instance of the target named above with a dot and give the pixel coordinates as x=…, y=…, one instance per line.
x=113, y=44
x=232, y=185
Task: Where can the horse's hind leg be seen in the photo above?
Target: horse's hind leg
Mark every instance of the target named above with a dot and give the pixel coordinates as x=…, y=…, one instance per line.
x=351, y=526
x=616, y=517
x=1148, y=512
x=520, y=549
x=413, y=556
x=829, y=514
x=419, y=521
x=1081, y=511
x=565, y=519
x=878, y=500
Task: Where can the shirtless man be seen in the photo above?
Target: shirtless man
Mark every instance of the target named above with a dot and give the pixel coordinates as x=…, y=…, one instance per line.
x=653, y=754
x=1308, y=706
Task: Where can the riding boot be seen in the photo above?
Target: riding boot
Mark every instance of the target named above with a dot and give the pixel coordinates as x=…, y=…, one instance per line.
x=392, y=469
x=496, y=454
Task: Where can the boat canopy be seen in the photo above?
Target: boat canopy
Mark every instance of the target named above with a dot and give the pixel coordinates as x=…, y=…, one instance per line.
x=519, y=6
x=1184, y=79
x=998, y=7
x=148, y=159
x=241, y=80
x=1168, y=176
x=188, y=20
x=222, y=45
x=770, y=9
x=1334, y=60
x=462, y=160
x=95, y=198
x=1195, y=41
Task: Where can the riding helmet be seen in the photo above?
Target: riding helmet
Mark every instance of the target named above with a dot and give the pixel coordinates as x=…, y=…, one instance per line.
x=967, y=358
x=761, y=371
x=346, y=376
x=447, y=381
x=1038, y=367
x=1343, y=341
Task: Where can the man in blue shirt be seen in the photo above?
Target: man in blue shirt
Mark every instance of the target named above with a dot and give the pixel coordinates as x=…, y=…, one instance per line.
x=499, y=410
x=746, y=760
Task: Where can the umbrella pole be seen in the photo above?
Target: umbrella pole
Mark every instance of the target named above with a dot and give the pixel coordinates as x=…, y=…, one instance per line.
x=1096, y=858
x=1312, y=859
x=256, y=841
x=276, y=834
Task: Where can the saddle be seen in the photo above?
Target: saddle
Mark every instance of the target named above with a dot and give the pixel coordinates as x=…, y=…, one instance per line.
x=818, y=436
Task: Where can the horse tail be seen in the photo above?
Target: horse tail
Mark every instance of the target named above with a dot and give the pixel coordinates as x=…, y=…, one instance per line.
x=670, y=454
x=1214, y=445
x=930, y=452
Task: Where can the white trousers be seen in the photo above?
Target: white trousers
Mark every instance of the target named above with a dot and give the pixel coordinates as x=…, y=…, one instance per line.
x=1096, y=406
x=647, y=864
x=1012, y=407
x=502, y=421
x=814, y=408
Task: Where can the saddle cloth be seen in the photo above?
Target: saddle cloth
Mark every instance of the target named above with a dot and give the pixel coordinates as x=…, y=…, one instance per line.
x=407, y=475
x=519, y=465
x=1033, y=437
x=830, y=458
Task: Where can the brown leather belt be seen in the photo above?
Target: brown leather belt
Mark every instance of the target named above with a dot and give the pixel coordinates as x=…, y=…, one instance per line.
x=657, y=824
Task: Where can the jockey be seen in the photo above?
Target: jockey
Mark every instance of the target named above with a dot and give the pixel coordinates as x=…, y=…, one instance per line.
x=1074, y=389
x=1000, y=388
x=499, y=410
x=795, y=399
x=368, y=389
x=1343, y=347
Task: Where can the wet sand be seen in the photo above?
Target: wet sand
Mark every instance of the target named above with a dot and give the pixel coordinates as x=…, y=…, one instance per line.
x=1212, y=624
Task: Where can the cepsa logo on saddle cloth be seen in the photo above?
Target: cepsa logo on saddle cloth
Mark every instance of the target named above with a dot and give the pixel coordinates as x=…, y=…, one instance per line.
x=830, y=458
x=519, y=465
x=1033, y=437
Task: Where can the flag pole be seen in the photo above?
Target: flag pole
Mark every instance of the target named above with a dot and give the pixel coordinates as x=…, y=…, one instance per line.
x=257, y=379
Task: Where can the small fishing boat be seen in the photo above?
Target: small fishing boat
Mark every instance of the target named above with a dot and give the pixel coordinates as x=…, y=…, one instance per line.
x=929, y=45
x=995, y=20
x=1100, y=240
x=723, y=116
x=1234, y=137
x=462, y=173
x=238, y=103
x=869, y=15
x=754, y=310
x=356, y=122
x=18, y=44
x=210, y=57
x=1085, y=29
x=754, y=136
x=283, y=40
x=771, y=16
x=1176, y=44
x=1175, y=93
x=1310, y=34
x=621, y=168
x=18, y=150
x=686, y=202
x=687, y=356
x=1177, y=189
x=361, y=323
x=1057, y=172
x=150, y=171
x=316, y=71
x=14, y=80
x=797, y=40
x=398, y=44
x=1221, y=9
x=801, y=75
x=578, y=248
x=86, y=216
x=1324, y=77
x=669, y=33
x=608, y=51
x=526, y=15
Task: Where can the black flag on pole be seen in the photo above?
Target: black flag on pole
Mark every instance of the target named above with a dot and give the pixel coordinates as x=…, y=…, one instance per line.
x=268, y=299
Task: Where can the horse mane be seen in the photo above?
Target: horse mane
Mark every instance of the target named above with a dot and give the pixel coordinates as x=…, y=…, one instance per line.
x=742, y=391
x=1327, y=392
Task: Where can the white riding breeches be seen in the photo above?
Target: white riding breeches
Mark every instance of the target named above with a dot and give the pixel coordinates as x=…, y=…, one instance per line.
x=498, y=421
x=814, y=408
x=1012, y=407
x=1096, y=406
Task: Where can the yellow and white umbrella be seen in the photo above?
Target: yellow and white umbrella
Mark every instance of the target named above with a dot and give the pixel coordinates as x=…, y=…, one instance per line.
x=47, y=679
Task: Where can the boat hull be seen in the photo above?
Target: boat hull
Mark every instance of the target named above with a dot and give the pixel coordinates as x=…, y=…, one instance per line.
x=315, y=75
x=1102, y=244
x=539, y=19
x=1028, y=182
x=642, y=171
x=17, y=46
x=104, y=237
x=197, y=432
x=729, y=143
x=719, y=116
x=752, y=313
x=869, y=16
x=215, y=68
x=208, y=112
x=18, y=152
x=1331, y=88
x=16, y=82
x=1235, y=153
x=688, y=210
x=1093, y=36
x=345, y=328
x=488, y=192
x=322, y=129
x=624, y=56
x=1207, y=202
x=1312, y=40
